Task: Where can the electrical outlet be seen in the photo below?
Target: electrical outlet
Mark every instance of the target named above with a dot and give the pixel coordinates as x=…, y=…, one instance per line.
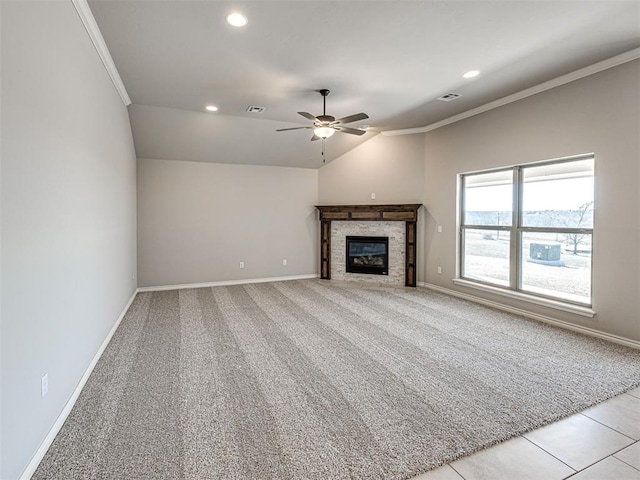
x=284, y=262
x=439, y=270
x=373, y=196
x=241, y=264
x=44, y=385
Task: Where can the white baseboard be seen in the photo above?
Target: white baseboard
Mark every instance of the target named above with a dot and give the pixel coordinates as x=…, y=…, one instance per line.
x=226, y=282
x=48, y=440
x=535, y=316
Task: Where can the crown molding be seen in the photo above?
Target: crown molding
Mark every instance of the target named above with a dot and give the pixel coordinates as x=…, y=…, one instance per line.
x=556, y=82
x=90, y=25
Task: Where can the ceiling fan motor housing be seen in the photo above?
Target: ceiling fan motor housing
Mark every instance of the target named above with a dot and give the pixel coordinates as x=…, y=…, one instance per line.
x=325, y=118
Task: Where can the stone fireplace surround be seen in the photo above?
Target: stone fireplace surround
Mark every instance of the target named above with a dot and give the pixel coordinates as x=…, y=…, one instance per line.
x=396, y=233
x=338, y=221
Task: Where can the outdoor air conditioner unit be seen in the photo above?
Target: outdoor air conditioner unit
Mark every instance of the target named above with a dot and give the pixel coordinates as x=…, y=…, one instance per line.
x=546, y=252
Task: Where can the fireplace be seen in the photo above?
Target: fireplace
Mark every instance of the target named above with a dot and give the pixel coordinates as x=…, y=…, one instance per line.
x=402, y=264
x=367, y=255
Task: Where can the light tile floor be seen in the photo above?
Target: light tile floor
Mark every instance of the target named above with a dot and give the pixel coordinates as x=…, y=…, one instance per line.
x=601, y=443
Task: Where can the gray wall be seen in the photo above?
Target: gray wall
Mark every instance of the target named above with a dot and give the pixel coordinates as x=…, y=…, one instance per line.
x=68, y=216
x=197, y=221
x=390, y=167
x=599, y=114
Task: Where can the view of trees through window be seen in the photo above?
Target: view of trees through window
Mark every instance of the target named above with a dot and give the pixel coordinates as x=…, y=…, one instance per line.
x=530, y=228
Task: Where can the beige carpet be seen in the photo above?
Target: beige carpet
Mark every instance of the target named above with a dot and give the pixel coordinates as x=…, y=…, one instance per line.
x=313, y=380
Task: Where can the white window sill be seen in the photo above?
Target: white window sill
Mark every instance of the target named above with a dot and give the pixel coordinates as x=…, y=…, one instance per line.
x=545, y=302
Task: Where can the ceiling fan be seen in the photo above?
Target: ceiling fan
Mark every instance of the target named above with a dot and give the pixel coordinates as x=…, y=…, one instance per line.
x=325, y=125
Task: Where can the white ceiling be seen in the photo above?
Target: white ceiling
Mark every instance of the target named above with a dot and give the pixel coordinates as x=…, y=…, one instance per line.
x=390, y=59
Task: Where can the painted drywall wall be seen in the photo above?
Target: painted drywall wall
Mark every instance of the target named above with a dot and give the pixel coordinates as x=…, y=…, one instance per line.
x=68, y=216
x=390, y=167
x=198, y=221
x=599, y=114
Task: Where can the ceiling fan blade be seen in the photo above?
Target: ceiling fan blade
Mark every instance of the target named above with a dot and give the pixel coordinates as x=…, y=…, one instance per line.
x=352, y=118
x=315, y=137
x=307, y=116
x=352, y=131
x=294, y=128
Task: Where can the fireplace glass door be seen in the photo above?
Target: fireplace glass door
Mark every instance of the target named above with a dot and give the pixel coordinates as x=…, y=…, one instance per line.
x=368, y=255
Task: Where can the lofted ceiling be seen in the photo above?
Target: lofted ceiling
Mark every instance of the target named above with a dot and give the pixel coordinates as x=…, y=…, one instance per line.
x=390, y=59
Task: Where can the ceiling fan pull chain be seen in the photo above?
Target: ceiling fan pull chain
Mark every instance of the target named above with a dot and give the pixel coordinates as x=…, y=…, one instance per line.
x=323, y=159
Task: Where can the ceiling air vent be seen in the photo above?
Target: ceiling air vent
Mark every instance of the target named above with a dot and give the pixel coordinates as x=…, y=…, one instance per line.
x=448, y=97
x=255, y=109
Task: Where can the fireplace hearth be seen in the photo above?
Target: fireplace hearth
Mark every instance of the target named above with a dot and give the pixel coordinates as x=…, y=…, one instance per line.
x=367, y=255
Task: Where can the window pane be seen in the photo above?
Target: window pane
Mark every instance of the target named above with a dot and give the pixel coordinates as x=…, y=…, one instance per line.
x=558, y=195
x=488, y=198
x=557, y=265
x=486, y=256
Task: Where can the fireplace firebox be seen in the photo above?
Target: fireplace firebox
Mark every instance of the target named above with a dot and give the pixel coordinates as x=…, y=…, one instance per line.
x=367, y=255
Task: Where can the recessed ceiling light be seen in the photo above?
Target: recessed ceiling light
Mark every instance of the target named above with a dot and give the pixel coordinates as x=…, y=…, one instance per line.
x=471, y=74
x=237, y=19
x=212, y=108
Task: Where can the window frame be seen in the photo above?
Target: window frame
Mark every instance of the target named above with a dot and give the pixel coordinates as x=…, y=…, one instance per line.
x=517, y=230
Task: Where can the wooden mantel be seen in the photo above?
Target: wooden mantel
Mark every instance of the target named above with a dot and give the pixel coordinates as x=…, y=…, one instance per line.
x=407, y=213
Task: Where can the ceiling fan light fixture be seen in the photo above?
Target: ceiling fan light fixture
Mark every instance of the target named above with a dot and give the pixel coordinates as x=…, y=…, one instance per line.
x=237, y=19
x=324, y=132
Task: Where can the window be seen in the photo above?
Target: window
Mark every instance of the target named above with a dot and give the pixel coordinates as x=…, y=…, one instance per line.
x=529, y=228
